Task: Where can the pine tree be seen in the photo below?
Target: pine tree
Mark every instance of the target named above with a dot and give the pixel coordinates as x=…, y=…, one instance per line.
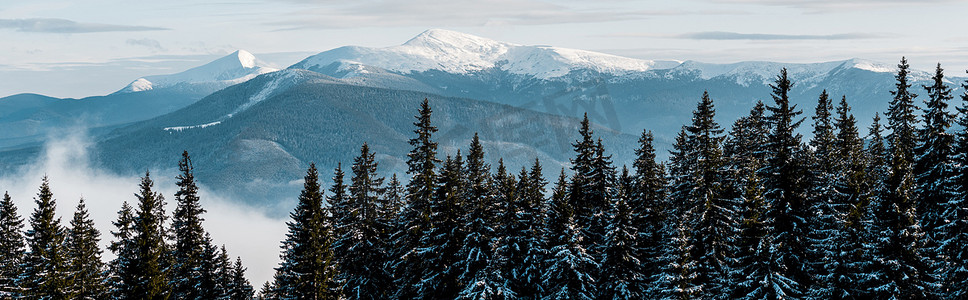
x=785, y=182
x=649, y=203
x=934, y=165
x=362, y=273
x=11, y=248
x=338, y=221
x=954, y=234
x=480, y=273
x=306, y=271
x=708, y=227
x=239, y=287
x=825, y=222
x=591, y=188
x=150, y=268
x=527, y=261
x=569, y=266
x=752, y=275
x=623, y=275
x=901, y=118
x=122, y=280
x=188, y=232
x=442, y=240
x=903, y=271
x=84, y=257
x=45, y=272
x=422, y=164
x=758, y=275
x=206, y=282
x=224, y=278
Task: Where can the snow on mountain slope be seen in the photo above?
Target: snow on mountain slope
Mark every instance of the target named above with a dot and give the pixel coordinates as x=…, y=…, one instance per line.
x=459, y=53
x=240, y=66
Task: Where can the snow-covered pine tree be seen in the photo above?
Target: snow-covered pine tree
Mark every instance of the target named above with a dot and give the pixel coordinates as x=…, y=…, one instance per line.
x=623, y=271
x=744, y=150
x=391, y=205
x=901, y=118
x=866, y=232
x=848, y=263
x=188, y=232
x=708, y=225
x=224, y=279
x=87, y=280
x=902, y=269
x=362, y=271
x=569, y=266
x=45, y=271
x=415, y=217
x=207, y=281
x=954, y=232
x=934, y=164
x=527, y=262
x=785, y=182
x=122, y=280
x=442, y=240
x=758, y=274
x=148, y=231
x=823, y=253
x=649, y=203
x=239, y=287
x=591, y=188
x=11, y=248
x=480, y=275
x=307, y=270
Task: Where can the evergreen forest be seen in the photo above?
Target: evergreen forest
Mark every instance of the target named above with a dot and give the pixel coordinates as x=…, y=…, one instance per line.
x=748, y=210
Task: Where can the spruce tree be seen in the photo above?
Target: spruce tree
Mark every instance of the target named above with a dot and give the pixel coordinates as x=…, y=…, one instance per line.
x=623, y=275
x=480, y=273
x=934, y=166
x=362, y=273
x=902, y=269
x=84, y=257
x=569, y=267
x=239, y=287
x=415, y=217
x=224, y=278
x=825, y=222
x=45, y=272
x=708, y=226
x=307, y=270
x=785, y=182
x=188, y=232
x=591, y=188
x=527, y=262
x=901, y=118
x=207, y=279
x=442, y=240
x=122, y=276
x=648, y=202
x=11, y=248
x=954, y=234
x=150, y=268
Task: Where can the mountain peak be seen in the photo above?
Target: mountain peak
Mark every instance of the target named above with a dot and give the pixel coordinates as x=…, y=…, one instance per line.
x=238, y=66
x=451, y=39
x=456, y=52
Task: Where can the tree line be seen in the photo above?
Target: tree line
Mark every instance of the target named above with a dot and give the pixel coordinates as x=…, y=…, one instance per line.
x=155, y=258
x=753, y=213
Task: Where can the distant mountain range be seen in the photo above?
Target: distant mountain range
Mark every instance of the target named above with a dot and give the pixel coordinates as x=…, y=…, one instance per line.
x=253, y=129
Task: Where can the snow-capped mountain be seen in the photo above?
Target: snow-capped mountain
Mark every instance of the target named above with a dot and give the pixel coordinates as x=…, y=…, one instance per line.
x=238, y=67
x=456, y=52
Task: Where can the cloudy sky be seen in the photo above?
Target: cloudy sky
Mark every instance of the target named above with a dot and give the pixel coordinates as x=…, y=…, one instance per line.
x=71, y=48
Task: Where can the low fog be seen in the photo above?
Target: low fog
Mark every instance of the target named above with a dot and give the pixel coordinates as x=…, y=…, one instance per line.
x=246, y=232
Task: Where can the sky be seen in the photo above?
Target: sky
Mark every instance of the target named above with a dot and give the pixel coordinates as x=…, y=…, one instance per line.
x=70, y=48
